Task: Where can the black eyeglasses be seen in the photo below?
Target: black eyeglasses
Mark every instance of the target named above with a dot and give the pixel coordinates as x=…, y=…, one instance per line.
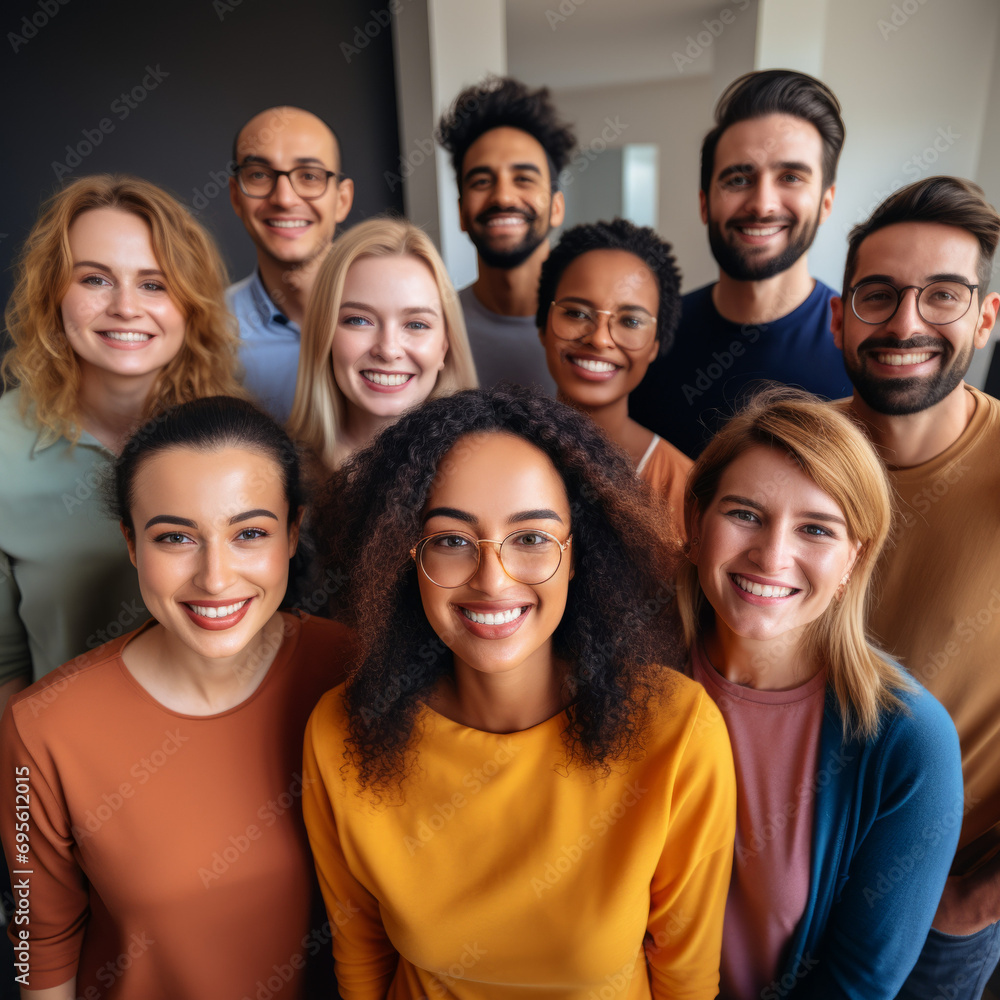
x=257, y=181
x=939, y=303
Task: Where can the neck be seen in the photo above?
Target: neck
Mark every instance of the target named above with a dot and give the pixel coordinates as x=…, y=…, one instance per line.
x=914, y=438
x=513, y=291
x=614, y=420
x=359, y=431
x=289, y=287
x=111, y=405
x=774, y=664
x=183, y=680
x=763, y=301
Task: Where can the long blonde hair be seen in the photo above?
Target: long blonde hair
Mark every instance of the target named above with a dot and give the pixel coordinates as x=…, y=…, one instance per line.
x=42, y=361
x=319, y=408
x=835, y=454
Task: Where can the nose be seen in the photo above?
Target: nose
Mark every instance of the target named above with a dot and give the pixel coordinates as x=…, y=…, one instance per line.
x=906, y=320
x=388, y=344
x=214, y=573
x=124, y=300
x=772, y=552
x=491, y=577
x=600, y=336
x=283, y=193
x=504, y=191
x=762, y=198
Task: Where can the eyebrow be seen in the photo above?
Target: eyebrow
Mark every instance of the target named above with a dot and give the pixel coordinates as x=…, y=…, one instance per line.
x=105, y=267
x=590, y=302
x=752, y=168
x=490, y=172
x=889, y=280
x=407, y=311
x=815, y=515
x=188, y=523
x=538, y=514
x=265, y=162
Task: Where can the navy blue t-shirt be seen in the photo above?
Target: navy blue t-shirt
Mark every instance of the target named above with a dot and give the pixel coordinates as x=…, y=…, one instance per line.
x=715, y=364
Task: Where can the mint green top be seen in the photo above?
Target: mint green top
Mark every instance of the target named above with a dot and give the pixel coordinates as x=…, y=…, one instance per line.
x=66, y=582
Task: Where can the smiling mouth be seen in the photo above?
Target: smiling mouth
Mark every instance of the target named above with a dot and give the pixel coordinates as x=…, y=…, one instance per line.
x=389, y=379
x=914, y=358
x=217, y=612
x=288, y=223
x=499, y=618
x=761, y=590
x=760, y=230
x=591, y=365
x=126, y=336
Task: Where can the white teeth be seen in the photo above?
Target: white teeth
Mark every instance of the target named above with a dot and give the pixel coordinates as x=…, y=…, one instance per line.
x=500, y=618
x=228, y=609
x=915, y=358
x=288, y=223
x=593, y=366
x=506, y=220
x=383, y=378
x=758, y=231
x=761, y=590
x=127, y=338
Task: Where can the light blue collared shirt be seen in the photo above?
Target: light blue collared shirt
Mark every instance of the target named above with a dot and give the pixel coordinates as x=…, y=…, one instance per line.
x=269, y=346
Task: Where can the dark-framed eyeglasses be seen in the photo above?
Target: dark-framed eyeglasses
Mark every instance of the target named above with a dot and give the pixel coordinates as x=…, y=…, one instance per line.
x=450, y=559
x=939, y=303
x=258, y=181
x=630, y=329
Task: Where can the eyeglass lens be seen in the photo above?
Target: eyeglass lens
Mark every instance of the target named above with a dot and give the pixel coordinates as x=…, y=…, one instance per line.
x=451, y=560
x=940, y=302
x=259, y=181
x=629, y=329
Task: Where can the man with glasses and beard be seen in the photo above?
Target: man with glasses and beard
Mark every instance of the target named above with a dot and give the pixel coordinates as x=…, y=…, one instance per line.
x=507, y=147
x=767, y=182
x=916, y=306
x=290, y=194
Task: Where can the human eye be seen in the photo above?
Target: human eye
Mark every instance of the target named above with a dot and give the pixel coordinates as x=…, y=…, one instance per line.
x=95, y=280
x=532, y=539
x=736, y=181
x=817, y=531
x=449, y=543
x=153, y=286
x=355, y=320
x=742, y=514
x=633, y=321
x=417, y=326
x=258, y=173
x=250, y=534
x=172, y=538
x=576, y=313
x=877, y=294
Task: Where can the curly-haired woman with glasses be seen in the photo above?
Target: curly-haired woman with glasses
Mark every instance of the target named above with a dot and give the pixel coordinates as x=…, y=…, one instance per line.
x=511, y=795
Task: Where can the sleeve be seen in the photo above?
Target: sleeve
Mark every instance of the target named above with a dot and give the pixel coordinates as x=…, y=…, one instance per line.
x=51, y=904
x=365, y=958
x=689, y=888
x=15, y=657
x=901, y=856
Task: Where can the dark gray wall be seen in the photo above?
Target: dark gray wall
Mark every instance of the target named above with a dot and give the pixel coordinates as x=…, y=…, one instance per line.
x=214, y=64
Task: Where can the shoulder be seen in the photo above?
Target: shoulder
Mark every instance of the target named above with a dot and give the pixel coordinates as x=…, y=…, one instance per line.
x=327, y=729
x=699, y=300
x=17, y=433
x=823, y=292
x=922, y=724
x=239, y=291
x=686, y=722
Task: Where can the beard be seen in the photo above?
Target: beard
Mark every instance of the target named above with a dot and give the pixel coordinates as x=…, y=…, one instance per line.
x=743, y=266
x=897, y=397
x=515, y=256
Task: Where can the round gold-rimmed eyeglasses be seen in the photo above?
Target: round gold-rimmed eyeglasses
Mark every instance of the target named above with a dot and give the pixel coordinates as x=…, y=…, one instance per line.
x=630, y=329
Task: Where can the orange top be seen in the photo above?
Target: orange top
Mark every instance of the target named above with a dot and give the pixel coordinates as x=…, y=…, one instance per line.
x=166, y=855
x=665, y=468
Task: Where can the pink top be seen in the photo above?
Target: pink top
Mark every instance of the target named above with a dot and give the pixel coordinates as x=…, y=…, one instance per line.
x=775, y=738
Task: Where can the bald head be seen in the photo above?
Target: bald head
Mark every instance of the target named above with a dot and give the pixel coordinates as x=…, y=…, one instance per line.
x=262, y=129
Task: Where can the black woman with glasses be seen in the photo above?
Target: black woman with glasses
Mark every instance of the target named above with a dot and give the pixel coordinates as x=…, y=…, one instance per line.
x=290, y=194
x=510, y=796
x=609, y=303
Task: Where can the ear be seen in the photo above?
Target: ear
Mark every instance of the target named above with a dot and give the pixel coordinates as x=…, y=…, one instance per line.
x=345, y=199
x=703, y=207
x=557, y=211
x=837, y=321
x=129, y=541
x=987, y=319
x=294, y=526
x=826, y=205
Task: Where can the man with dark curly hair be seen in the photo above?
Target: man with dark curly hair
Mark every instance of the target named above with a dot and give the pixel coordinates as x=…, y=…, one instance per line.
x=508, y=147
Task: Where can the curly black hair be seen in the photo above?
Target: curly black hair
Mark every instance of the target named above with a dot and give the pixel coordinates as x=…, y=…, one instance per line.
x=619, y=234
x=499, y=102
x=618, y=627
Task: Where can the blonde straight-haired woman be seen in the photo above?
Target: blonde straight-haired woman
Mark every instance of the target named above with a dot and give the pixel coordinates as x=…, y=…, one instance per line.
x=384, y=331
x=848, y=772
x=117, y=313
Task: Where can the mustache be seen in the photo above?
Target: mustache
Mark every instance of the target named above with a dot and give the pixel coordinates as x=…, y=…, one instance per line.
x=921, y=342
x=491, y=213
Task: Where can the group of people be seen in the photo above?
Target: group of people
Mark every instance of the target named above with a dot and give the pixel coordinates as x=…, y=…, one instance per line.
x=600, y=694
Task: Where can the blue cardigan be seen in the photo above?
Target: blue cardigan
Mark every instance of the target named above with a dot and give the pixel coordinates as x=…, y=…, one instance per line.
x=887, y=818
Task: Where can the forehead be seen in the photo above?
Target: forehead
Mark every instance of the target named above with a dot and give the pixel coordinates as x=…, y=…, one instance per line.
x=284, y=135
x=98, y=230
x=773, y=477
x=496, y=474
x=769, y=142
x=610, y=275
x=207, y=484
x=916, y=251
x=392, y=278
x=503, y=147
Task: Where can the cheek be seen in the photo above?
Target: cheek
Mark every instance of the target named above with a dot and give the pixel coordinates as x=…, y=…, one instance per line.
x=430, y=355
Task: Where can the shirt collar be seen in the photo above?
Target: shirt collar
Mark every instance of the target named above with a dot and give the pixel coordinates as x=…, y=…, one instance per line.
x=264, y=303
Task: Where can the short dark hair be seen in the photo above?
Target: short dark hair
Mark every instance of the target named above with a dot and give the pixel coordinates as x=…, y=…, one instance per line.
x=619, y=234
x=205, y=424
x=503, y=102
x=951, y=201
x=778, y=92
x=336, y=138
x=614, y=632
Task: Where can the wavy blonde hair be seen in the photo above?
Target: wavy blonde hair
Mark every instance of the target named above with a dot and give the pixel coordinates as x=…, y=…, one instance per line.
x=42, y=362
x=835, y=454
x=319, y=408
